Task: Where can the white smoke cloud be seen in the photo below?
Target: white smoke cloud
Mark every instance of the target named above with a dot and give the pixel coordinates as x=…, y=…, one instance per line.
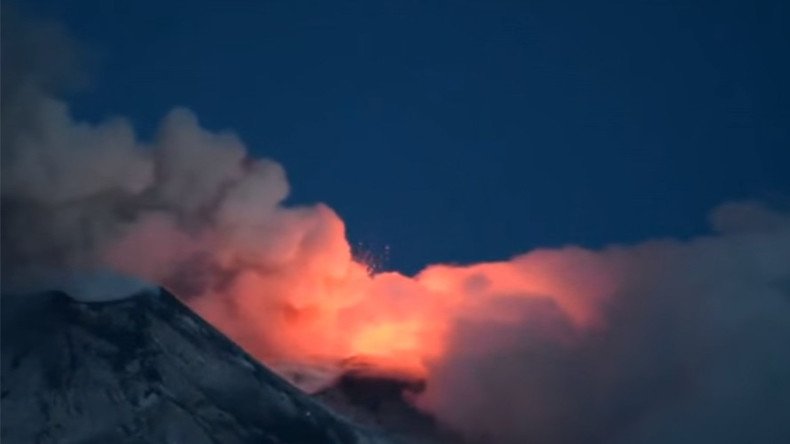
x=692, y=348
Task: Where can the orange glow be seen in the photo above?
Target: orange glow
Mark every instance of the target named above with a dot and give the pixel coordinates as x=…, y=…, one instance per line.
x=386, y=339
x=326, y=309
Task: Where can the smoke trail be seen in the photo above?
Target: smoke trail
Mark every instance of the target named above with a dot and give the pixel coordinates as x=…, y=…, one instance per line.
x=660, y=341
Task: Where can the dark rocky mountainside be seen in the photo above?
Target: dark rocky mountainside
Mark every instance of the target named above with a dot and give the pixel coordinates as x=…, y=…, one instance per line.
x=145, y=370
x=379, y=401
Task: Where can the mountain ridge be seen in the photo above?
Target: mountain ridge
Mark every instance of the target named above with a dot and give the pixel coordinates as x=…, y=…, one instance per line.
x=145, y=369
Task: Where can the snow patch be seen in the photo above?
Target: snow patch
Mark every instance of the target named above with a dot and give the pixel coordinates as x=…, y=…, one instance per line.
x=102, y=286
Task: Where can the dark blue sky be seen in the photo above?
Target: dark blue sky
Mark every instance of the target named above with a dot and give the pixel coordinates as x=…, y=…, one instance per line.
x=462, y=131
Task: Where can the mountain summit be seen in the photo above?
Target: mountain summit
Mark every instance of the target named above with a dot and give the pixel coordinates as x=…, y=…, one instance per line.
x=144, y=370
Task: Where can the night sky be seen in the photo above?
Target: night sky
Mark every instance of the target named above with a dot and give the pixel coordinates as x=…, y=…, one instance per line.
x=455, y=131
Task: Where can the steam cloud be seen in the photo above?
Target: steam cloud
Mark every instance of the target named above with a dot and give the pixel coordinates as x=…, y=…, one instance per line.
x=664, y=341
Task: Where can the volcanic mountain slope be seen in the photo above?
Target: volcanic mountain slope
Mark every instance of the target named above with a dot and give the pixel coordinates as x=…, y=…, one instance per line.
x=144, y=370
x=380, y=401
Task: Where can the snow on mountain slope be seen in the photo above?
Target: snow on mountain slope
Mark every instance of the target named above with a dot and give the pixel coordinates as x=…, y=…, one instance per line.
x=144, y=370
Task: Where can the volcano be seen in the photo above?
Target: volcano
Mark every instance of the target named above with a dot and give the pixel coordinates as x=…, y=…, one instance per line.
x=145, y=369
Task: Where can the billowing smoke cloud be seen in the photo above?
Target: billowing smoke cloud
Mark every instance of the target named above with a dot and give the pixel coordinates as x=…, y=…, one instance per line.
x=663, y=341
x=189, y=210
x=689, y=345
